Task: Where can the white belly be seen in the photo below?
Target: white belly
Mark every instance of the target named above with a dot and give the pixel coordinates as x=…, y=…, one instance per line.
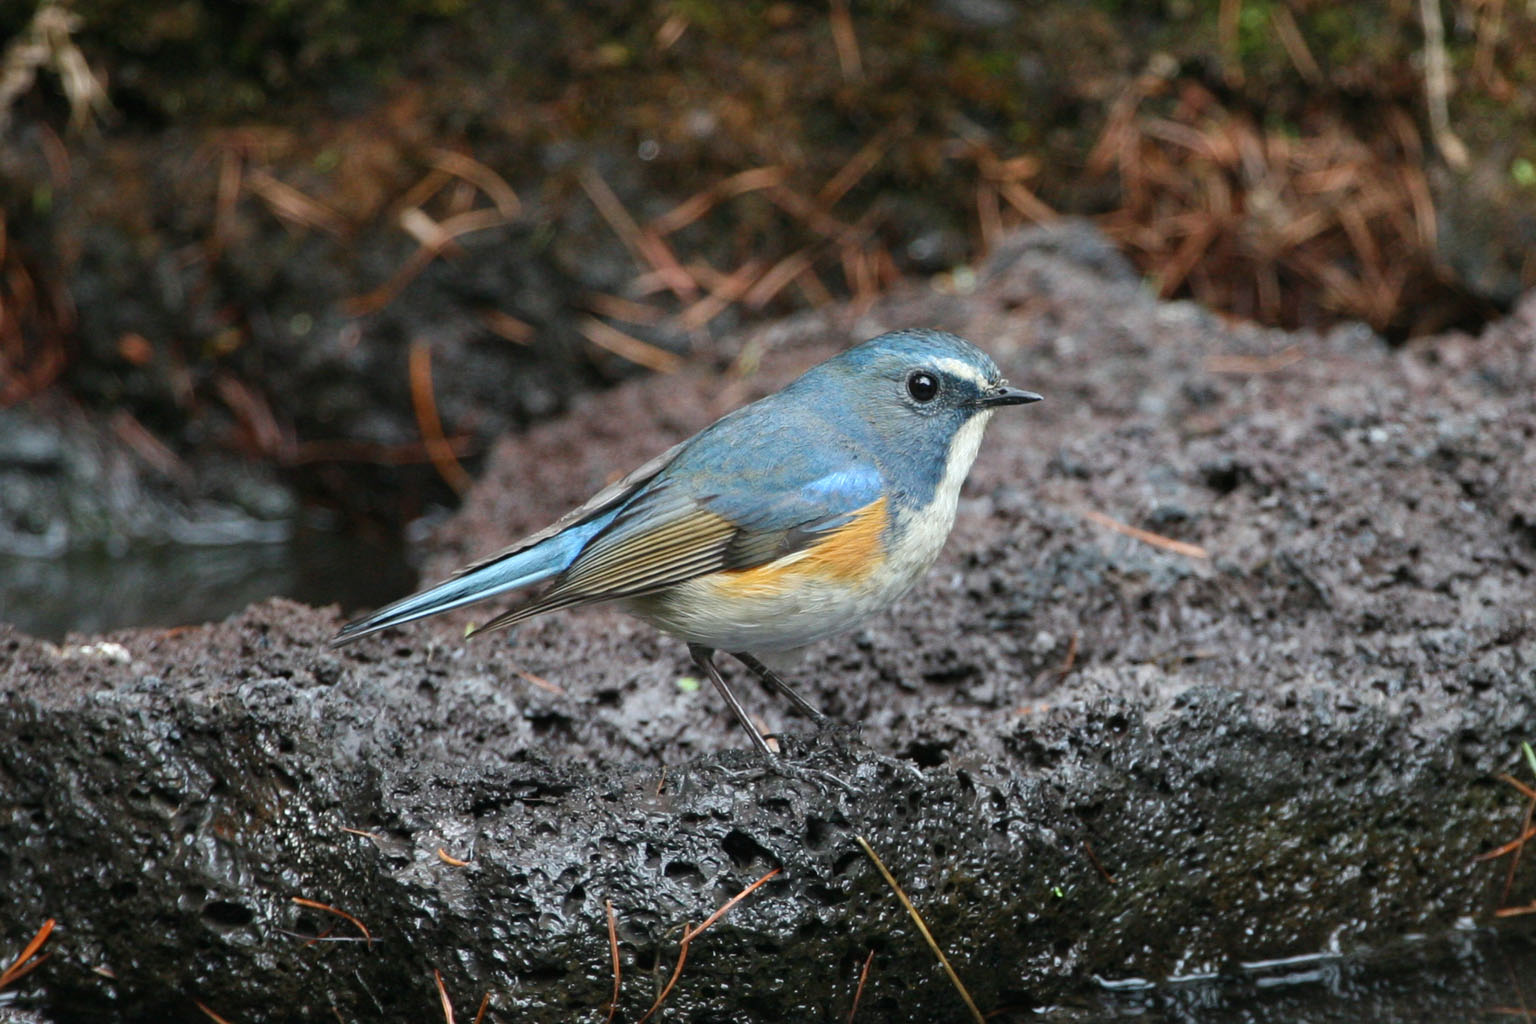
x=701, y=612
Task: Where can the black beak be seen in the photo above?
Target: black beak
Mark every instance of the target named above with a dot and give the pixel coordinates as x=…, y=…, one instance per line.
x=1002, y=394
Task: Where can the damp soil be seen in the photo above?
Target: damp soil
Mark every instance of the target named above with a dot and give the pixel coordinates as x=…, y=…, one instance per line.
x=1083, y=754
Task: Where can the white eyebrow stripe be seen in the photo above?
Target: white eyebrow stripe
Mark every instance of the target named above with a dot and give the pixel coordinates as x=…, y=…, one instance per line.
x=963, y=370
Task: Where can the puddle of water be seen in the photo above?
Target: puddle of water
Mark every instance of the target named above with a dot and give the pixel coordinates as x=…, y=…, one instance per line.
x=1470, y=976
x=173, y=585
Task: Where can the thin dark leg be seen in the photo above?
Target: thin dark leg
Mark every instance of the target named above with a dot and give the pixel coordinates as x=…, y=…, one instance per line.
x=704, y=658
x=771, y=677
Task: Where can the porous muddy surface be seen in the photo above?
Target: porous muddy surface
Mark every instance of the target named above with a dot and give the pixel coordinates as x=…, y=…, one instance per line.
x=1080, y=752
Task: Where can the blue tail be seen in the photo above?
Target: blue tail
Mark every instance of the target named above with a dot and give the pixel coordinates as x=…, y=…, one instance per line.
x=517, y=568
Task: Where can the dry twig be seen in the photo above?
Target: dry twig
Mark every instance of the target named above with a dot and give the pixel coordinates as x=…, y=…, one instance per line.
x=721, y=296
x=693, y=933
x=1295, y=44
x=846, y=42
x=852, y=172
x=540, y=682
x=376, y=837
x=209, y=1013
x=628, y=346
x=1509, y=847
x=1437, y=86
x=28, y=960
x=1254, y=364
x=1070, y=661
x=47, y=42
x=483, y=178
x=316, y=905
x=627, y=310
x=671, y=31
x=1094, y=857
x=1146, y=536
x=1526, y=832
x=427, y=421
x=858, y=993
x=1529, y=908
x=691, y=209
x=291, y=205
x=442, y=994
x=613, y=946
x=646, y=246
x=922, y=926
x=508, y=326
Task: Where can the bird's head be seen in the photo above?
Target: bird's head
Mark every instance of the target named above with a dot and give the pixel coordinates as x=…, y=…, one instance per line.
x=918, y=383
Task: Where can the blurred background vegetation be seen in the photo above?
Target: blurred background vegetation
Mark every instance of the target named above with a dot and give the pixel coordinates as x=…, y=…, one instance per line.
x=305, y=259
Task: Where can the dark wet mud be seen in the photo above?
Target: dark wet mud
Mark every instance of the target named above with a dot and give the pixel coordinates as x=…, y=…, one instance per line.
x=1081, y=751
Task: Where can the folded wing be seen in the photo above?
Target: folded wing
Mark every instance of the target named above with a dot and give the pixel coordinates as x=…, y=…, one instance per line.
x=676, y=529
x=534, y=558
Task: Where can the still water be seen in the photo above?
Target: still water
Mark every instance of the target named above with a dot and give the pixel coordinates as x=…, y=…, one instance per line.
x=169, y=585
x=1475, y=975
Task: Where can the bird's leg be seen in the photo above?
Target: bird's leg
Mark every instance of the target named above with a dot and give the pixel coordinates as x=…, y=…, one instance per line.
x=704, y=658
x=771, y=677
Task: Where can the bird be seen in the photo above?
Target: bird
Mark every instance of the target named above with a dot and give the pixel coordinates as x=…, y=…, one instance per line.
x=785, y=522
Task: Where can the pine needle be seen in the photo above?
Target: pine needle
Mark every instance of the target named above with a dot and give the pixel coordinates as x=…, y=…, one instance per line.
x=922, y=926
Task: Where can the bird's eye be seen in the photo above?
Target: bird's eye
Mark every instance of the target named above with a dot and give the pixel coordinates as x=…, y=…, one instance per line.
x=922, y=386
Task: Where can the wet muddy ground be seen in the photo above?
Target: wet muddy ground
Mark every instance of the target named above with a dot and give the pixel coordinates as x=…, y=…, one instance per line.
x=1082, y=753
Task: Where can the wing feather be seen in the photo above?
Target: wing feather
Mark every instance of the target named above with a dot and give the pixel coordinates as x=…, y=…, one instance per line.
x=615, y=493
x=652, y=556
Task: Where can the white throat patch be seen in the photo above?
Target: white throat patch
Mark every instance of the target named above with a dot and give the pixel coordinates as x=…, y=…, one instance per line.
x=962, y=453
x=924, y=530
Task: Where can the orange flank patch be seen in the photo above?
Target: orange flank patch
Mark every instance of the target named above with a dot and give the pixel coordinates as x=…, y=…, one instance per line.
x=847, y=555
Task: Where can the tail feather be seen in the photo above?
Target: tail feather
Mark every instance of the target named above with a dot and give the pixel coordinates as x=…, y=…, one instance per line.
x=518, y=569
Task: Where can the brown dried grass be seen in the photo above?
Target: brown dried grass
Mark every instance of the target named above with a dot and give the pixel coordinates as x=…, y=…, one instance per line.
x=1288, y=229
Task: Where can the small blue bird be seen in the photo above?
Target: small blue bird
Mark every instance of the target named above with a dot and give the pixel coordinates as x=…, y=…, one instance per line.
x=785, y=522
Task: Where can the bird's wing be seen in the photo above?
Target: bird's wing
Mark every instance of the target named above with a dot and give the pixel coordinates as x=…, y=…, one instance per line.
x=534, y=558
x=746, y=510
